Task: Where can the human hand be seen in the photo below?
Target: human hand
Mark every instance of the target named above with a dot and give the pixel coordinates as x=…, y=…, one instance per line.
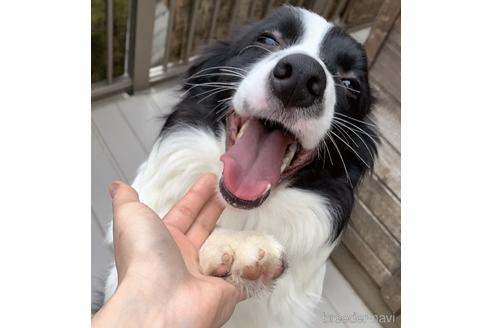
x=157, y=262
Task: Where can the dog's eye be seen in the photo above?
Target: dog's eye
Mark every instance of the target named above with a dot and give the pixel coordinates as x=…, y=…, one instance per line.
x=351, y=85
x=267, y=39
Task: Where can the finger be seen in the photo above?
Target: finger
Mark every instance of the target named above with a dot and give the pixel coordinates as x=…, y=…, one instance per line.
x=205, y=223
x=121, y=193
x=186, y=210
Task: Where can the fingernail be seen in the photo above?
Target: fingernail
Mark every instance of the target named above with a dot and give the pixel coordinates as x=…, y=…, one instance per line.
x=112, y=188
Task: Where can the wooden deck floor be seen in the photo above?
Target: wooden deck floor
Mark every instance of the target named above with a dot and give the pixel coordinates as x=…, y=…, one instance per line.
x=123, y=131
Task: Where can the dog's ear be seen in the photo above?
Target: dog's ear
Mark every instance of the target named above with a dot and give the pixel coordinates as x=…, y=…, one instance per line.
x=203, y=67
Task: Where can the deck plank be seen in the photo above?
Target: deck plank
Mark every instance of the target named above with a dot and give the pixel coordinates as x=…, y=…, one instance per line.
x=361, y=35
x=394, y=37
x=391, y=291
x=365, y=255
x=344, y=299
x=326, y=314
x=101, y=257
x=125, y=148
x=384, y=245
x=144, y=117
x=361, y=281
x=104, y=171
x=166, y=95
x=387, y=116
x=387, y=167
x=382, y=203
x=100, y=252
x=386, y=70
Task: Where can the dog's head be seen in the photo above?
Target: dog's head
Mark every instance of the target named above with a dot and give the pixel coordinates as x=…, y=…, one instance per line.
x=293, y=90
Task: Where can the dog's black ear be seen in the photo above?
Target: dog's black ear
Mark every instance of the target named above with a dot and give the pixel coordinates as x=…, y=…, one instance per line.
x=203, y=67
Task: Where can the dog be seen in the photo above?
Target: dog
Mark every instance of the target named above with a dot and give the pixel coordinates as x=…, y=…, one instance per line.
x=280, y=113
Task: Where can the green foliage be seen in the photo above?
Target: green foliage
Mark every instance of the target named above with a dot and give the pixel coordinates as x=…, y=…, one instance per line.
x=98, y=38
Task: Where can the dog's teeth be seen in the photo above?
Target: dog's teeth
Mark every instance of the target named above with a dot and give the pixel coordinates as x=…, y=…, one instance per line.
x=284, y=166
x=267, y=190
x=288, y=157
x=243, y=128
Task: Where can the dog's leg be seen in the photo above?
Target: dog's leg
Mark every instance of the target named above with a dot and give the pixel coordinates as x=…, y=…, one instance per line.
x=249, y=260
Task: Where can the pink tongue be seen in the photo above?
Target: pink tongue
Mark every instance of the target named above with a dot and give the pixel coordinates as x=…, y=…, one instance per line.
x=254, y=161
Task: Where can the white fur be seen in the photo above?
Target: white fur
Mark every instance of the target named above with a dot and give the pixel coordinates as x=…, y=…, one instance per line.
x=253, y=97
x=299, y=220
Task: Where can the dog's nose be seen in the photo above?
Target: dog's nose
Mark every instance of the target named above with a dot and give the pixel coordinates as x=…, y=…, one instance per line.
x=298, y=80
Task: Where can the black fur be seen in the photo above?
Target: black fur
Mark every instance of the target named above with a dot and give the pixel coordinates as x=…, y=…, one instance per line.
x=342, y=55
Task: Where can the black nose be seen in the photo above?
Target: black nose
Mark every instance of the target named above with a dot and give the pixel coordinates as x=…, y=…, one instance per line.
x=298, y=80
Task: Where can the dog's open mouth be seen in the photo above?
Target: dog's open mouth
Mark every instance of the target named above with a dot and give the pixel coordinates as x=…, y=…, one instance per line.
x=259, y=155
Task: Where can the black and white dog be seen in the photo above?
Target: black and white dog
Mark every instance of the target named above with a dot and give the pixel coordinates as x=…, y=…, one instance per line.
x=280, y=114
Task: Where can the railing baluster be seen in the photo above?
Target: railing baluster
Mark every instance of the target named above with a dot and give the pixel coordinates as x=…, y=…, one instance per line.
x=140, y=45
x=109, y=41
x=251, y=9
x=328, y=9
x=191, y=30
x=318, y=6
x=336, y=15
x=269, y=7
x=170, y=22
x=215, y=14
x=235, y=12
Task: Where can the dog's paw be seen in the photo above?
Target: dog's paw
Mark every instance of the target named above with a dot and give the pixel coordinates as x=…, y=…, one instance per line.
x=249, y=260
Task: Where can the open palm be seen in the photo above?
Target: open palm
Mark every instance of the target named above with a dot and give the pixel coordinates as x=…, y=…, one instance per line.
x=164, y=253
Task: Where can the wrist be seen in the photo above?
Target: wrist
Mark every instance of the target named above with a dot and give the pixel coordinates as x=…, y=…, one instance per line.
x=142, y=302
x=132, y=305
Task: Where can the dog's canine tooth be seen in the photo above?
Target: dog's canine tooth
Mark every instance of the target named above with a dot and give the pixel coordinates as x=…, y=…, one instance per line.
x=243, y=128
x=289, y=155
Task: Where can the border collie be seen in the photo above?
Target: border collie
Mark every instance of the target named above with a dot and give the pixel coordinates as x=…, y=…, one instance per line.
x=280, y=113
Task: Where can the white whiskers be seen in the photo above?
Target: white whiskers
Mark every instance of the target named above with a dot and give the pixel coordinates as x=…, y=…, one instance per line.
x=348, y=88
x=254, y=46
x=341, y=157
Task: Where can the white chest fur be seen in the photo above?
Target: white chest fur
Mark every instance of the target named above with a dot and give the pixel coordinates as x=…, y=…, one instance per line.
x=300, y=220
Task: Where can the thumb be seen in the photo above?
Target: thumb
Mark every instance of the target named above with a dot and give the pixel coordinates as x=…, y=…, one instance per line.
x=121, y=193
